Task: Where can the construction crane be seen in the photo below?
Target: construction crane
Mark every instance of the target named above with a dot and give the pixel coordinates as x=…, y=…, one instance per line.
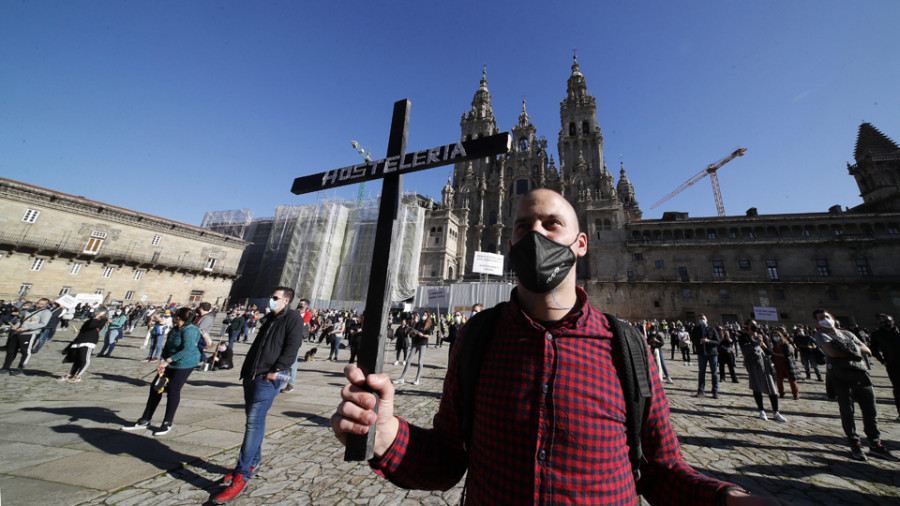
x=363, y=152
x=711, y=171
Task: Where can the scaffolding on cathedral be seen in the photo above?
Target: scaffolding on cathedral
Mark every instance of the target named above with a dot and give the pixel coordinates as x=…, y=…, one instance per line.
x=324, y=250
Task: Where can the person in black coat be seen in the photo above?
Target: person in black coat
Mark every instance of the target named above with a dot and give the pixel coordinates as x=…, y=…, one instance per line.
x=706, y=339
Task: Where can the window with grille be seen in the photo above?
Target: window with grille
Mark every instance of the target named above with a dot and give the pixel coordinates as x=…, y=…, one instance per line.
x=723, y=294
x=862, y=267
x=107, y=271
x=772, y=269
x=718, y=269
x=188, y=278
x=822, y=267
x=24, y=288
x=155, y=241
x=210, y=264
x=129, y=295
x=98, y=291
x=744, y=264
x=65, y=290
x=31, y=216
x=37, y=264
x=76, y=268
x=138, y=275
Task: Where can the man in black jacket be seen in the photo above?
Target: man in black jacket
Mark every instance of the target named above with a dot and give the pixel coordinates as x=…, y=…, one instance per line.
x=706, y=339
x=265, y=370
x=886, y=348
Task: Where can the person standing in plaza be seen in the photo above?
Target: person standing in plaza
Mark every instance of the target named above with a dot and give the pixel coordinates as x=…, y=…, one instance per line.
x=707, y=341
x=24, y=333
x=421, y=334
x=354, y=337
x=785, y=368
x=726, y=353
x=756, y=349
x=113, y=333
x=50, y=330
x=204, y=321
x=886, y=349
x=806, y=343
x=79, y=351
x=306, y=315
x=402, y=345
x=549, y=427
x=851, y=383
x=269, y=356
x=236, y=327
x=180, y=356
x=684, y=343
x=335, y=335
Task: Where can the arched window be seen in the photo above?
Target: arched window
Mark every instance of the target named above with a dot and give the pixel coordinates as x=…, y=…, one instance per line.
x=572, y=129
x=523, y=144
x=585, y=127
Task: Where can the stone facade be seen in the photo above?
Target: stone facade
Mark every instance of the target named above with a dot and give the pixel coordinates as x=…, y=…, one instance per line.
x=53, y=243
x=677, y=266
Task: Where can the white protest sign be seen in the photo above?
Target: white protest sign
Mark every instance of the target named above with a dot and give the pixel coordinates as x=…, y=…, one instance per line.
x=488, y=263
x=437, y=296
x=769, y=314
x=67, y=301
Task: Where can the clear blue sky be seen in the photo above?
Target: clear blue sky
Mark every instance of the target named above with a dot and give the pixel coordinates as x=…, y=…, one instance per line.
x=176, y=108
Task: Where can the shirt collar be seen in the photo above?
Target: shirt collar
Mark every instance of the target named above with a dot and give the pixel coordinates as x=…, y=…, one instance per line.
x=573, y=319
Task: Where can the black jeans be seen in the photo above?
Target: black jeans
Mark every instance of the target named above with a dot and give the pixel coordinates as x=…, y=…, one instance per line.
x=177, y=379
x=858, y=390
x=726, y=358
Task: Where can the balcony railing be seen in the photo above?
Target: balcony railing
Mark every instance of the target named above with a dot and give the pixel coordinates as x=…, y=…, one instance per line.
x=75, y=248
x=730, y=241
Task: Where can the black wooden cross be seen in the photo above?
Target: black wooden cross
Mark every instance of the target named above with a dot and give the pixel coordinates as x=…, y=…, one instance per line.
x=391, y=168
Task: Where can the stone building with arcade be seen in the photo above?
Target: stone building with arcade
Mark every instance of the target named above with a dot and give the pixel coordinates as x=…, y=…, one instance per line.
x=52, y=244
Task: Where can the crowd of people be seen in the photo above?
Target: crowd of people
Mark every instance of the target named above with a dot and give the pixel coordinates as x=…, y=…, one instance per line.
x=577, y=373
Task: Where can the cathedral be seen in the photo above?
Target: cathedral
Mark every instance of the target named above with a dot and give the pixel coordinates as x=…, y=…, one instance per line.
x=481, y=197
x=728, y=267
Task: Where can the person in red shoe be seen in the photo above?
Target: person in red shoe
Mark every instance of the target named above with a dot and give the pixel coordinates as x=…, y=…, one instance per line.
x=265, y=371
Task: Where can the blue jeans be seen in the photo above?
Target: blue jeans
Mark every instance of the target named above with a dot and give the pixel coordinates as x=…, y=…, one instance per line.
x=335, y=346
x=45, y=336
x=109, y=342
x=294, y=368
x=233, y=337
x=259, y=394
x=711, y=362
x=155, y=345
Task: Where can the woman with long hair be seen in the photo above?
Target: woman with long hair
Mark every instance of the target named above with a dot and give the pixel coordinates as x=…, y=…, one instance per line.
x=785, y=367
x=756, y=349
x=80, y=349
x=336, y=334
x=179, y=358
x=420, y=336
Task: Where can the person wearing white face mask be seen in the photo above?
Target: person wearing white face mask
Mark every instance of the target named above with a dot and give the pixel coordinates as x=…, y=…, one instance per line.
x=851, y=383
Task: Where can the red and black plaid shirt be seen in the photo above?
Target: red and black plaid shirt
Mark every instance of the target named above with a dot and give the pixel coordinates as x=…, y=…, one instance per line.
x=549, y=425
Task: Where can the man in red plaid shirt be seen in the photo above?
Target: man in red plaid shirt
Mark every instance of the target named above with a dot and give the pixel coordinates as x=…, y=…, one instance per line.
x=549, y=427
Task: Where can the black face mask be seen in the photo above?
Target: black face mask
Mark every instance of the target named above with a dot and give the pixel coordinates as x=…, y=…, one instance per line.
x=541, y=263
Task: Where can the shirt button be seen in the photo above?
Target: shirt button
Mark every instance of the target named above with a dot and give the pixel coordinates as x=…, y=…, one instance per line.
x=549, y=336
x=544, y=388
x=541, y=454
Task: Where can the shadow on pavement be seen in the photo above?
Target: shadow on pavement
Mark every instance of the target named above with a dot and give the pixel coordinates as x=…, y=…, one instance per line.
x=138, y=382
x=311, y=418
x=116, y=442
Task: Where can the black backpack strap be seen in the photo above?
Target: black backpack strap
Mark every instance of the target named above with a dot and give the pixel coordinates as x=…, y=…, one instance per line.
x=479, y=330
x=629, y=352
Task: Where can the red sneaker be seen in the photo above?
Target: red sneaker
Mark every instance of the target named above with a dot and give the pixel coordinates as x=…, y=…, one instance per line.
x=230, y=476
x=232, y=491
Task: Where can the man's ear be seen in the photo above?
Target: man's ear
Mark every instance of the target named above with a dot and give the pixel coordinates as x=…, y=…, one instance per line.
x=581, y=245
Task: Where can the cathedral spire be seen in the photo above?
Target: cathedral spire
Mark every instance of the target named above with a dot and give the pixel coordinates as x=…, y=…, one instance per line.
x=481, y=103
x=577, y=86
x=871, y=140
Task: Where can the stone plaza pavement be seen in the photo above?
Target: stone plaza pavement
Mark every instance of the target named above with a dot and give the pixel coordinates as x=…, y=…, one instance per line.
x=62, y=443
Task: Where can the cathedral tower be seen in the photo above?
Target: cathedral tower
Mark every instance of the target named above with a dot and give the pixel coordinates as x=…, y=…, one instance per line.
x=877, y=170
